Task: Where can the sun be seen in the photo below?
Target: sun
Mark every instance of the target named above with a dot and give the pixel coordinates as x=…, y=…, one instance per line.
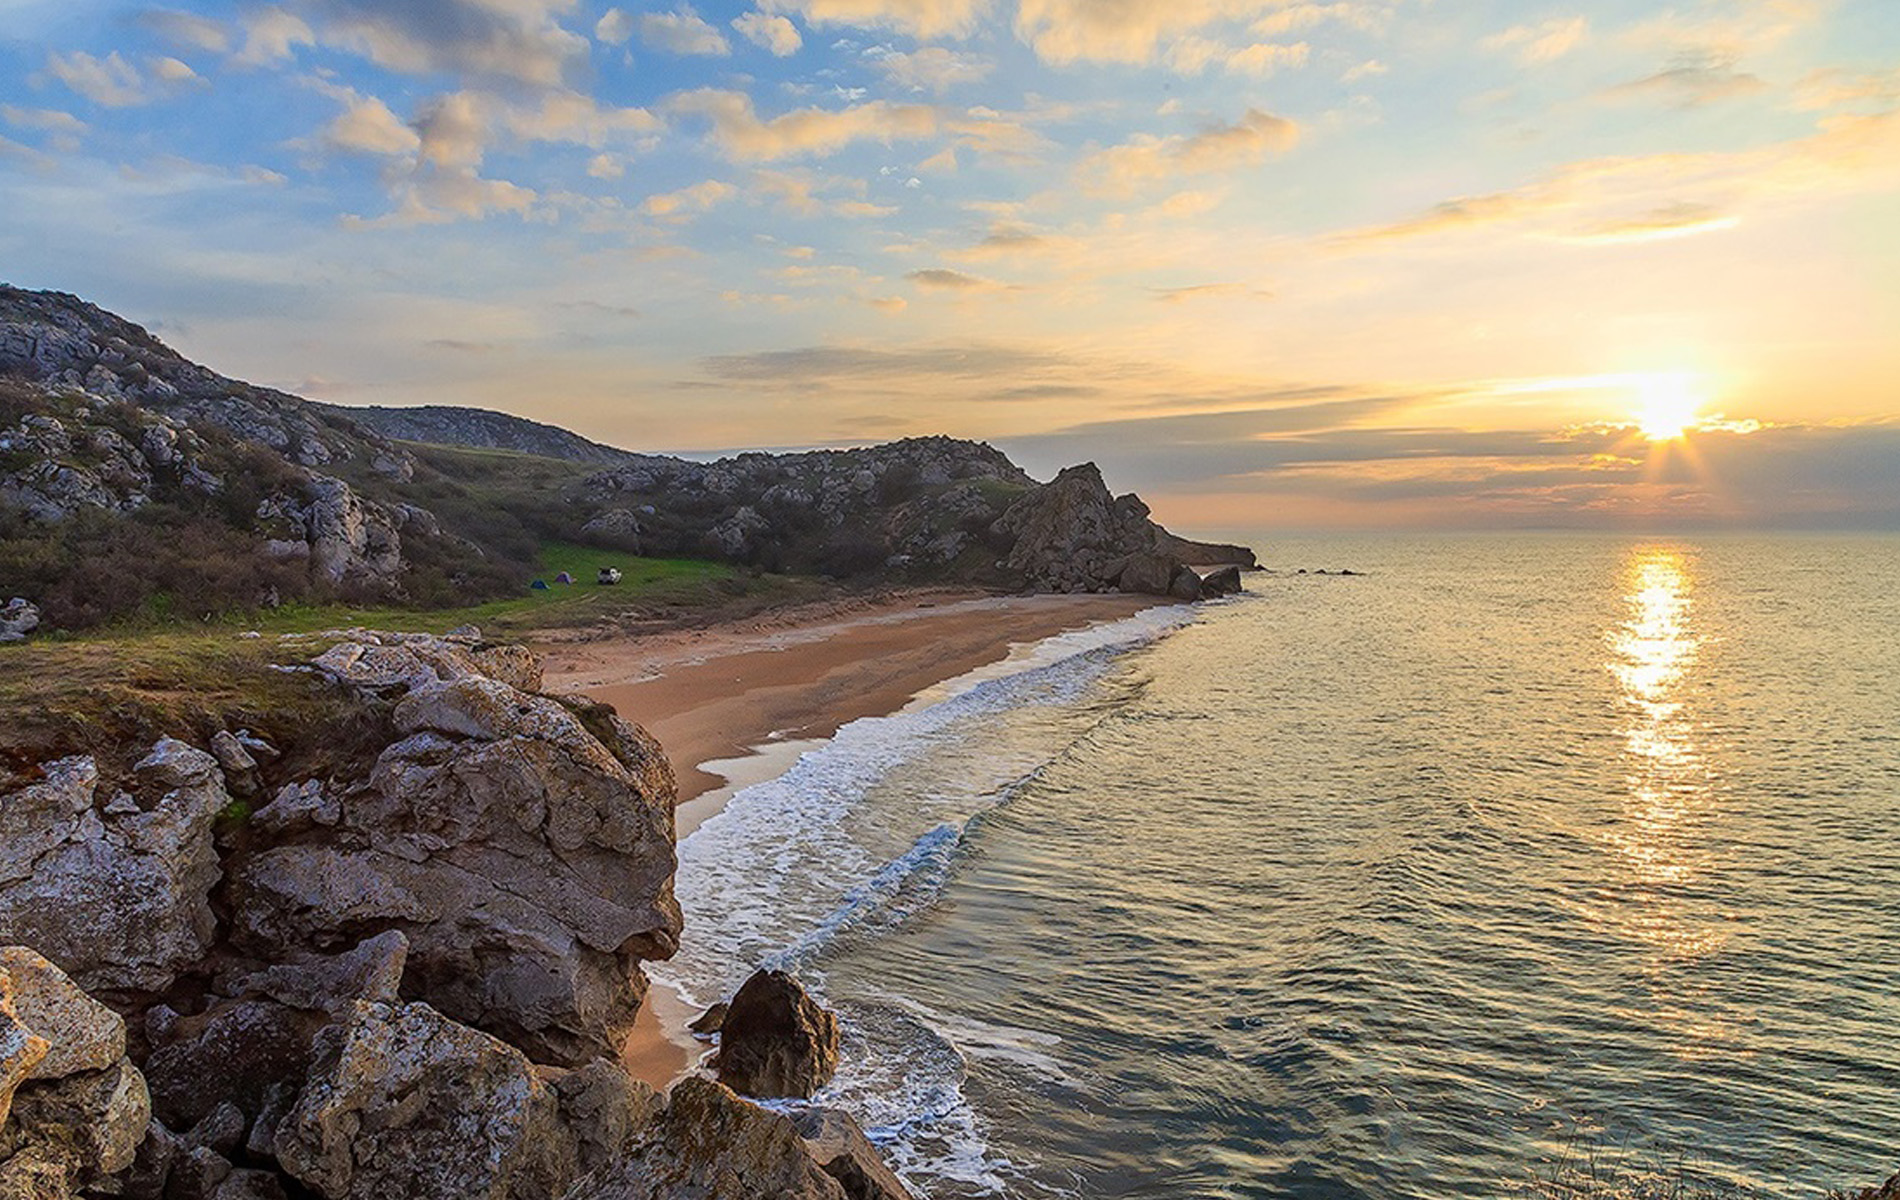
x=1667, y=406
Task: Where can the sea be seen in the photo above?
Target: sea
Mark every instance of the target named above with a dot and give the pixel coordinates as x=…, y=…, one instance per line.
x=1503, y=865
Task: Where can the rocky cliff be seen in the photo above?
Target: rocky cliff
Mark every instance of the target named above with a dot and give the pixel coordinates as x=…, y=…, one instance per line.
x=227, y=974
x=132, y=480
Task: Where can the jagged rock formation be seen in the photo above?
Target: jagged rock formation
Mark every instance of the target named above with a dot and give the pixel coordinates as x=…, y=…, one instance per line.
x=18, y=618
x=775, y=1040
x=73, y=1108
x=838, y=1143
x=480, y=428
x=114, y=446
x=523, y=844
x=710, y=1145
x=305, y=980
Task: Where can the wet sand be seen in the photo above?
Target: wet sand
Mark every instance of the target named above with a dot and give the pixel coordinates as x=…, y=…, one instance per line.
x=746, y=699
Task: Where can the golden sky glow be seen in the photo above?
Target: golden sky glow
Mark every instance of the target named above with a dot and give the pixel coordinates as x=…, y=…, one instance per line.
x=1272, y=263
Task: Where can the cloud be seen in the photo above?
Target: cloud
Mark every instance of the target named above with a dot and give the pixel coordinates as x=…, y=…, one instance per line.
x=431, y=197
x=367, y=126
x=46, y=120
x=940, y=279
x=697, y=198
x=1672, y=193
x=811, y=364
x=1248, y=142
x=453, y=130
x=919, y=18
x=933, y=69
x=1691, y=83
x=1369, y=69
x=1139, y=31
x=113, y=82
x=1832, y=87
x=518, y=40
x=1668, y=221
x=810, y=195
x=1193, y=55
x=186, y=29
x=614, y=27
x=1545, y=42
x=769, y=32
x=682, y=32
x=742, y=136
x=271, y=35
x=606, y=166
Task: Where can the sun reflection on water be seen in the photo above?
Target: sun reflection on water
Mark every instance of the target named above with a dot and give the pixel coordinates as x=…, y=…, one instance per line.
x=1659, y=840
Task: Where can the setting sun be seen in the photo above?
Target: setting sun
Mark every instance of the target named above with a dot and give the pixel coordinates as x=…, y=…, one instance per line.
x=1667, y=406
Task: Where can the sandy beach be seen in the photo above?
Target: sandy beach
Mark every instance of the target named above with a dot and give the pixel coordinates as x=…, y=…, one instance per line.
x=737, y=703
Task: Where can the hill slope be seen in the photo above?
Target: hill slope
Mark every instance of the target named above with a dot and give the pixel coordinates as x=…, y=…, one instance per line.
x=135, y=481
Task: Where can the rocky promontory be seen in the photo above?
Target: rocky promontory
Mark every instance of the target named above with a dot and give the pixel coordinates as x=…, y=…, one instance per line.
x=226, y=973
x=134, y=480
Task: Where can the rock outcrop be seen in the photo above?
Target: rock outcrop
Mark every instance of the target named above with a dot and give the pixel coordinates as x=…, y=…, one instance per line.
x=18, y=618
x=709, y=1144
x=838, y=1143
x=522, y=843
x=73, y=1108
x=117, y=887
x=775, y=1040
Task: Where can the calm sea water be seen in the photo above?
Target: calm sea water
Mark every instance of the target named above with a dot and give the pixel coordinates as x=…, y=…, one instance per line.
x=1404, y=884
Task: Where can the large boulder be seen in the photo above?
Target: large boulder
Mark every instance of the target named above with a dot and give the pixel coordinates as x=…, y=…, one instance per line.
x=776, y=1040
x=89, y=1123
x=81, y=1033
x=21, y=1050
x=1148, y=573
x=115, y=893
x=523, y=843
x=402, y=1101
x=1221, y=581
x=710, y=1145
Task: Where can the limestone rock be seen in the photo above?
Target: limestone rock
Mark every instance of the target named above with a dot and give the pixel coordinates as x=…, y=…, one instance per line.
x=119, y=898
x=1070, y=534
x=837, y=1143
x=332, y=984
x=523, y=844
x=616, y=527
x=21, y=1050
x=238, y=1051
x=19, y=618
x=1186, y=584
x=776, y=1040
x=605, y=1110
x=711, y=1145
x=404, y=1102
x=83, y=1034
x=1222, y=581
x=91, y=1122
x=1147, y=573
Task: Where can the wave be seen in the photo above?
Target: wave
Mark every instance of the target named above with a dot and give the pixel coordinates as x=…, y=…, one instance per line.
x=861, y=835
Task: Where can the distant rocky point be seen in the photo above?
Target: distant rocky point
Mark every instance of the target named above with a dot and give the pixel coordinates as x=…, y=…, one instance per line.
x=131, y=477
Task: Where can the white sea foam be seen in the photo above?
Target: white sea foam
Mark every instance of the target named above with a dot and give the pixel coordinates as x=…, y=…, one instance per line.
x=859, y=835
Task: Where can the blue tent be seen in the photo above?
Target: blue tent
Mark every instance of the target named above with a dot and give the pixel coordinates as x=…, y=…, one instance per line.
x=539, y=585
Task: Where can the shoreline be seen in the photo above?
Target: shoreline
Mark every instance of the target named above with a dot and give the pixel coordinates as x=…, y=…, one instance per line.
x=734, y=705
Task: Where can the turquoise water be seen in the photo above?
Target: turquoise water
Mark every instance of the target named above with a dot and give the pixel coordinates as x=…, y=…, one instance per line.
x=1401, y=884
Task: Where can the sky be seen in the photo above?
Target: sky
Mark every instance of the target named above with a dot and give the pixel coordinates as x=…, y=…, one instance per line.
x=1275, y=264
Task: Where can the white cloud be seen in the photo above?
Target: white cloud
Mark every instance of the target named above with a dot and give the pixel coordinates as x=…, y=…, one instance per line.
x=933, y=69
x=270, y=34
x=919, y=18
x=172, y=71
x=110, y=81
x=47, y=120
x=614, y=27
x=367, y=126
x=1248, y=142
x=1368, y=69
x=1547, y=41
x=187, y=29
x=1192, y=55
x=740, y=134
x=606, y=166
x=769, y=32
x=682, y=32
x=517, y=40
x=697, y=198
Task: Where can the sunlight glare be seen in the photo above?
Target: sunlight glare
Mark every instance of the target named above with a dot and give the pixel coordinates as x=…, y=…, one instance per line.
x=1667, y=404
